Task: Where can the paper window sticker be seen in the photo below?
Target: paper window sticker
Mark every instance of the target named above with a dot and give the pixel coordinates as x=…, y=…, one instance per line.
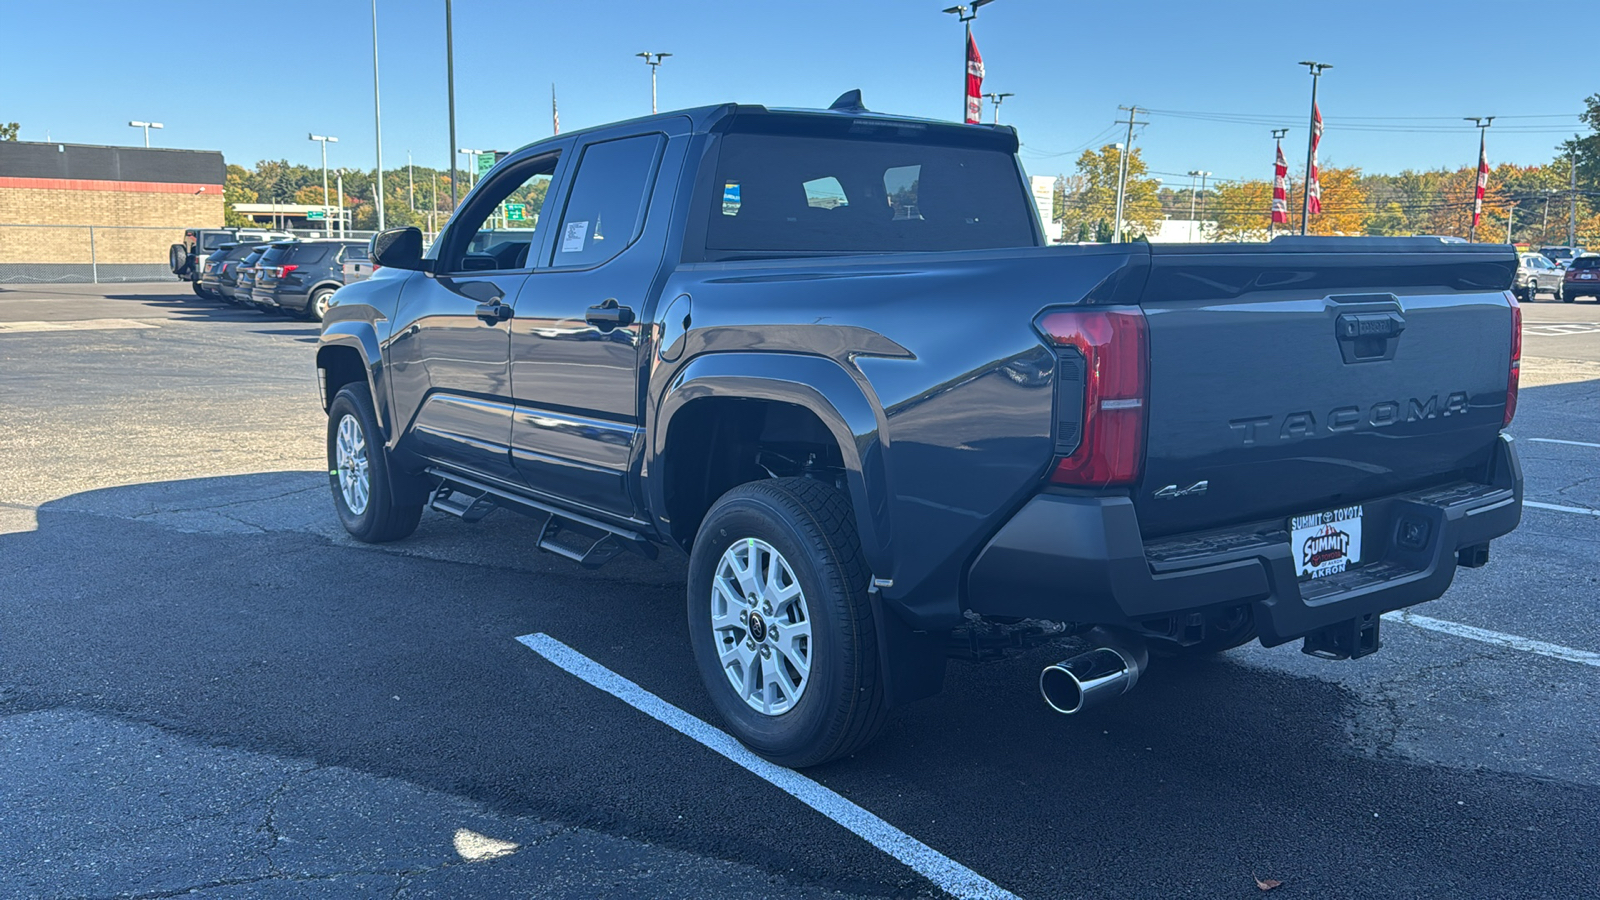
x=572, y=239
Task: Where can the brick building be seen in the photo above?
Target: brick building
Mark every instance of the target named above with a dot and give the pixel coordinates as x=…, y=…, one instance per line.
x=138, y=201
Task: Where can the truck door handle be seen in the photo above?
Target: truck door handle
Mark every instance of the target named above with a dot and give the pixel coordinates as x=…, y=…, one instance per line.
x=609, y=315
x=494, y=313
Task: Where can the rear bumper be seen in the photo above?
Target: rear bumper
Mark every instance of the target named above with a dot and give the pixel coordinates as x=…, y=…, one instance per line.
x=291, y=300
x=1082, y=559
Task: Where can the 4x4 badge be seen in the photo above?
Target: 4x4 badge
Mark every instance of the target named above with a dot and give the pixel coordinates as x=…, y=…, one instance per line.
x=1172, y=490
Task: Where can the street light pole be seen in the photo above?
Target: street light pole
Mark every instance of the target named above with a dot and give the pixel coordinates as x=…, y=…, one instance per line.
x=377, y=115
x=998, y=99
x=1483, y=123
x=411, y=183
x=325, y=140
x=1572, y=194
x=653, y=60
x=1316, y=70
x=146, y=126
x=450, y=86
x=472, y=163
x=966, y=14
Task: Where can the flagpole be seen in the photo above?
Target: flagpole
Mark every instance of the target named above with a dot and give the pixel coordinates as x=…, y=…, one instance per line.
x=1480, y=175
x=1311, y=141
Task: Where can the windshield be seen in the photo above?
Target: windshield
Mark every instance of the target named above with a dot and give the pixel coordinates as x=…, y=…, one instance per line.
x=790, y=193
x=1585, y=262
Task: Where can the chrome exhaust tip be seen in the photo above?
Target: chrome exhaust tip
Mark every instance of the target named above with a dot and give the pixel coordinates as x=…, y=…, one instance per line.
x=1095, y=676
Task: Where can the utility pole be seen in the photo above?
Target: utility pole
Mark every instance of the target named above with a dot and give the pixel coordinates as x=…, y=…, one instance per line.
x=377, y=114
x=1316, y=69
x=450, y=87
x=1122, y=168
x=1483, y=123
x=1572, y=194
x=653, y=60
x=966, y=14
x=341, y=203
x=411, y=183
x=998, y=99
x=1511, y=216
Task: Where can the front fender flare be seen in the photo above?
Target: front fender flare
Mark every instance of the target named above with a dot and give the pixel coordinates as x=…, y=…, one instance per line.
x=362, y=337
x=844, y=404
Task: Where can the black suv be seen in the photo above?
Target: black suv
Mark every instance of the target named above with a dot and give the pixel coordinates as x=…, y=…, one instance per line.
x=298, y=278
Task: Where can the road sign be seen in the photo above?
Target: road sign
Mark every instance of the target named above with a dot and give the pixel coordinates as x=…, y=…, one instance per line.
x=516, y=212
x=316, y=214
x=487, y=160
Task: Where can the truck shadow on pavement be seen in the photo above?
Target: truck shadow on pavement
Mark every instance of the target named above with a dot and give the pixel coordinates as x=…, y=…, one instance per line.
x=234, y=611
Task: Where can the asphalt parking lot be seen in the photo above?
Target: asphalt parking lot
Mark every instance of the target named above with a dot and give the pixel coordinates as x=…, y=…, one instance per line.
x=207, y=689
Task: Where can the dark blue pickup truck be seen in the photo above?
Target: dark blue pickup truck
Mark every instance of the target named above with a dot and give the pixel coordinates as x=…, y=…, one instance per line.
x=828, y=354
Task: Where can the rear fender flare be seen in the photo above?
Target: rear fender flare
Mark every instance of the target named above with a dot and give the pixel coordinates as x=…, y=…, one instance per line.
x=814, y=383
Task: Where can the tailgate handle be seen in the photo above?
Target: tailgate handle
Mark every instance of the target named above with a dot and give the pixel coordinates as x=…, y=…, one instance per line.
x=1368, y=337
x=1370, y=325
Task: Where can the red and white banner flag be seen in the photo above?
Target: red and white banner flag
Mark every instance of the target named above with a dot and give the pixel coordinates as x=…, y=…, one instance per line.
x=555, y=114
x=974, y=82
x=1483, y=180
x=1314, y=177
x=1280, y=189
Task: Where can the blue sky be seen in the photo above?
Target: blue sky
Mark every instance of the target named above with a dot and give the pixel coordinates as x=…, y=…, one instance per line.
x=252, y=79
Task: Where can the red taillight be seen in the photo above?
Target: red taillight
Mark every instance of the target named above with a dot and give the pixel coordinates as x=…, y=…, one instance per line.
x=284, y=270
x=1113, y=345
x=1516, y=361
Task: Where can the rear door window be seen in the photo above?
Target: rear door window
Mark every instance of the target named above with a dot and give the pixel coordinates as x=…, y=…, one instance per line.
x=606, y=208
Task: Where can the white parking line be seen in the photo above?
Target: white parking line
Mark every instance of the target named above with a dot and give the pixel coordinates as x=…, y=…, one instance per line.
x=952, y=877
x=1527, y=645
x=1579, y=510
x=1558, y=441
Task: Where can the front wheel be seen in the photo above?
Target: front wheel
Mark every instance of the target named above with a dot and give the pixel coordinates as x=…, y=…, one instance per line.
x=317, y=306
x=780, y=622
x=364, y=487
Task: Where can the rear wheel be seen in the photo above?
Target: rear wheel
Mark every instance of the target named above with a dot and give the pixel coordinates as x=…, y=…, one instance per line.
x=375, y=504
x=780, y=623
x=178, y=259
x=317, y=306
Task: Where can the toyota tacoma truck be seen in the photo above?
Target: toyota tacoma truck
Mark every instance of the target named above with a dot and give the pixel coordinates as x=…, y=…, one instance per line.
x=829, y=355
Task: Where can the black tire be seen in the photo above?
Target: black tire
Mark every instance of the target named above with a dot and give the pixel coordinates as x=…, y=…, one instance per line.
x=394, y=502
x=201, y=291
x=1561, y=293
x=317, y=303
x=1225, y=630
x=841, y=706
x=178, y=259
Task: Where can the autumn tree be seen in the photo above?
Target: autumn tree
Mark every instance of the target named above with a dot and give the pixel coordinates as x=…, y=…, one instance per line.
x=1241, y=209
x=1090, y=196
x=8, y=131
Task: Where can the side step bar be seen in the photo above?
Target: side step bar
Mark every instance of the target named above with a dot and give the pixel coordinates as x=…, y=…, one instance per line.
x=586, y=541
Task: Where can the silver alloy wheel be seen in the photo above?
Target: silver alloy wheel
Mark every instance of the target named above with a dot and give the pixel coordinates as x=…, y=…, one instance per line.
x=319, y=303
x=762, y=626
x=355, y=485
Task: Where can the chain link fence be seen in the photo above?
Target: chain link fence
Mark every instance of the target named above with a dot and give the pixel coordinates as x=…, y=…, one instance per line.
x=98, y=254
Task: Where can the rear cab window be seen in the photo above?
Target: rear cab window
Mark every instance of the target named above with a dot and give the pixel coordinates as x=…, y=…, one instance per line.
x=605, y=209
x=864, y=189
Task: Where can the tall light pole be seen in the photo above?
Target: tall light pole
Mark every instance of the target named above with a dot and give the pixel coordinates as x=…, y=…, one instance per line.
x=1482, y=123
x=1572, y=193
x=146, y=126
x=377, y=115
x=1316, y=70
x=326, y=140
x=1122, y=167
x=653, y=60
x=998, y=99
x=411, y=183
x=1203, y=177
x=450, y=87
x=472, y=163
x=966, y=13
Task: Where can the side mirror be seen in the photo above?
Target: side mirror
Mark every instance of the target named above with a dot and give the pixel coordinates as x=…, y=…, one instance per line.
x=398, y=248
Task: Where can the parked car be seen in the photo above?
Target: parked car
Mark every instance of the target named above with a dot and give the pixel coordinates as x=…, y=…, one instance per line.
x=227, y=272
x=298, y=278
x=244, y=281
x=829, y=355
x=357, y=266
x=207, y=285
x=1583, y=278
x=1536, y=274
x=199, y=243
x=1560, y=255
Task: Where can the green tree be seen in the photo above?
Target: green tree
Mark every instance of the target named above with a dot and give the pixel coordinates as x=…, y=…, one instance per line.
x=1091, y=194
x=8, y=131
x=235, y=189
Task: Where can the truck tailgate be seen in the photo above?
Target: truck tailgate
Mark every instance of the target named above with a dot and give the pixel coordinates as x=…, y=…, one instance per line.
x=1311, y=374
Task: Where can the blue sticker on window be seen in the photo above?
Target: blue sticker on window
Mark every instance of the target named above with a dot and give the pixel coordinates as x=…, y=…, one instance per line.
x=730, y=198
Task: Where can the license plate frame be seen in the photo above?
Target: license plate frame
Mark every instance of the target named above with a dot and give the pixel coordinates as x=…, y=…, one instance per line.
x=1327, y=542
